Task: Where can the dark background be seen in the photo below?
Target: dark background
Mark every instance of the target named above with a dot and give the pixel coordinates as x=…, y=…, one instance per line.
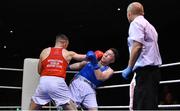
x=28, y=26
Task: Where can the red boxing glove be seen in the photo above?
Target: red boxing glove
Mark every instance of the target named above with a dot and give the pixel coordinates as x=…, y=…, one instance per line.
x=99, y=54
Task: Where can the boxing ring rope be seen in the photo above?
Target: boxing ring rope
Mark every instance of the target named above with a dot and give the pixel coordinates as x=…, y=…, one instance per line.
x=102, y=87
x=164, y=65
x=125, y=85
x=160, y=106
x=10, y=87
x=11, y=69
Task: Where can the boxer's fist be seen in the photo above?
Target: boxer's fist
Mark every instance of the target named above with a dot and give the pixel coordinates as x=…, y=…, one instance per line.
x=99, y=54
x=90, y=55
x=92, y=58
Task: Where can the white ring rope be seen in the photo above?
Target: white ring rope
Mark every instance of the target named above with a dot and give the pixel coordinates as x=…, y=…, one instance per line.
x=72, y=72
x=105, y=107
x=125, y=85
x=10, y=87
x=164, y=65
x=170, y=64
x=113, y=86
x=11, y=69
x=166, y=106
x=170, y=81
x=101, y=107
x=3, y=107
x=160, y=106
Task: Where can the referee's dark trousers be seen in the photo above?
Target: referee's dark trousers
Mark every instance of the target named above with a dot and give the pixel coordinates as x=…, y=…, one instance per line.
x=147, y=88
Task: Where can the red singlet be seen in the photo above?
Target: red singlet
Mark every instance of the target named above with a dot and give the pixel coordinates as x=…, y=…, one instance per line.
x=54, y=64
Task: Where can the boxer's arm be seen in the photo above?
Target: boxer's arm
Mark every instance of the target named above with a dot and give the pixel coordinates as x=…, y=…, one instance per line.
x=104, y=75
x=80, y=57
x=77, y=66
x=69, y=55
x=76, y=56
x=44, y=54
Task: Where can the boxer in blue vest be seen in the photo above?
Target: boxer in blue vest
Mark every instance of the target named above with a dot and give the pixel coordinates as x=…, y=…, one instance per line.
x=93, y=72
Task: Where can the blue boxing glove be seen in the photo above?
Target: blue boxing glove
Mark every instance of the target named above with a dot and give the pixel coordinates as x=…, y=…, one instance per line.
x=126, y=72
x=92, y=58
x=90, y=55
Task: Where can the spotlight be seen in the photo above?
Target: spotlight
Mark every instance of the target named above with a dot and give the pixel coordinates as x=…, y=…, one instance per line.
x=118, y=9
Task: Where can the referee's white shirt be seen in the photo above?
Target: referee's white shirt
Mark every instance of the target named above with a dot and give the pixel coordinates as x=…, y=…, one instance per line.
x=142, y=31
